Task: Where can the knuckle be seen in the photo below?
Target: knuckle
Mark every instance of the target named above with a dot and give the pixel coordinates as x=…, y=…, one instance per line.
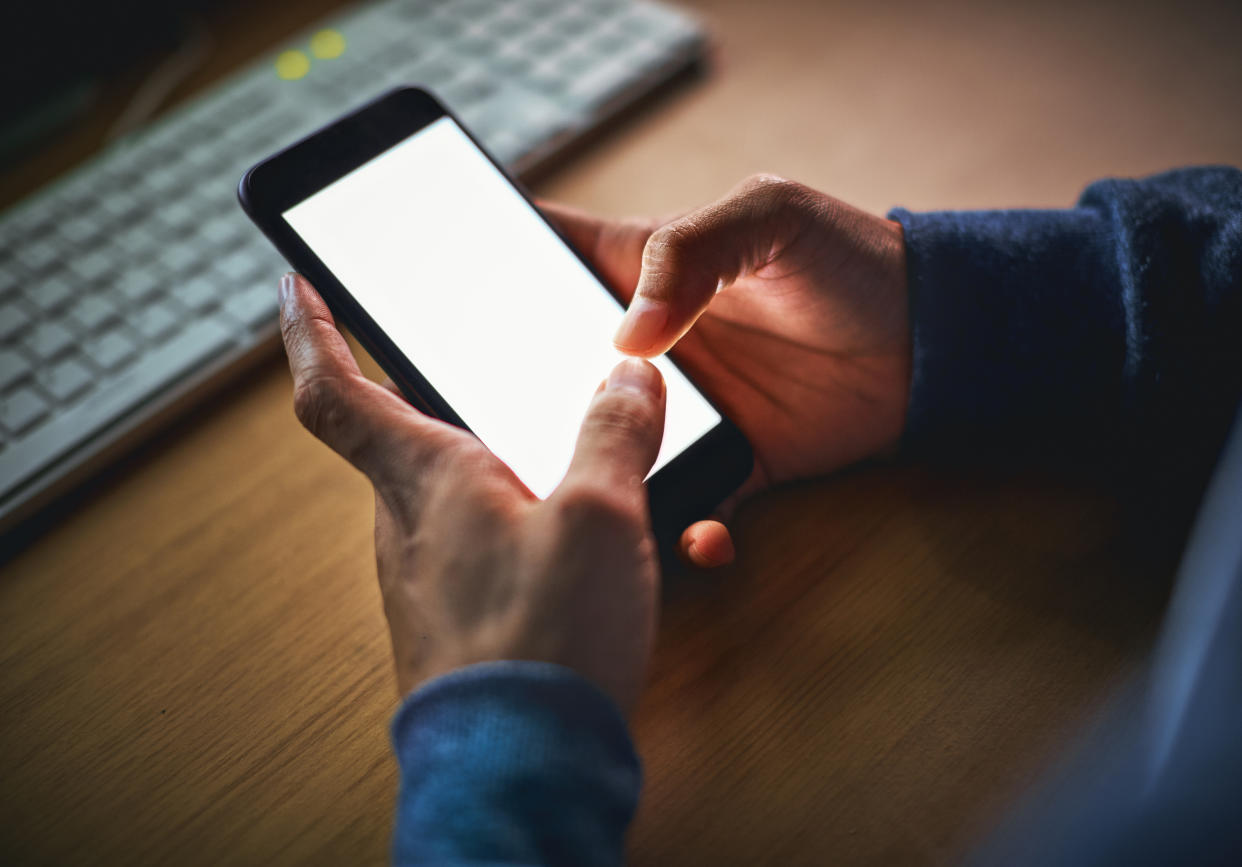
x=322, y=405
x=678, y=234
x=774, y=191
x=590, y=504
x=780, y=202
x=622, y=414
x=667, y=241
x=317, y=403
x=766, y=185
x=673, y=248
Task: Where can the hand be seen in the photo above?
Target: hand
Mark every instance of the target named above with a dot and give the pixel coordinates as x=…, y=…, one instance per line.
x=472, y=566
x=806, y=347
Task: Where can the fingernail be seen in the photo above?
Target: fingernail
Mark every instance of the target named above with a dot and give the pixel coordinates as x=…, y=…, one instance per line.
x=642, y=324
x=637, y=375
x=286, y=286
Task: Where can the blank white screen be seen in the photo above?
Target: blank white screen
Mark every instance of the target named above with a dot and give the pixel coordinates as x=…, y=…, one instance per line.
x=483, y=298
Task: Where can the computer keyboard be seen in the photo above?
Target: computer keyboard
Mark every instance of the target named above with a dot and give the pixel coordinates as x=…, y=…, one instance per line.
x=135, y=283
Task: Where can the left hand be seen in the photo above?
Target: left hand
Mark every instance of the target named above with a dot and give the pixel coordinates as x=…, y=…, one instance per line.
x=787, y=306
x=472, y=566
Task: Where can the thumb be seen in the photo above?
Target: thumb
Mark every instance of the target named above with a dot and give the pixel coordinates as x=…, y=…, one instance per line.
x=623, y=428
x=687, y=260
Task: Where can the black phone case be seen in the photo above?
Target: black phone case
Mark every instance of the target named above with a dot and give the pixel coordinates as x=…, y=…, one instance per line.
x=684, y=490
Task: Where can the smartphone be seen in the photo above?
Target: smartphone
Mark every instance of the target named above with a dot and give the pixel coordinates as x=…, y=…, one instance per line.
x=478, y=308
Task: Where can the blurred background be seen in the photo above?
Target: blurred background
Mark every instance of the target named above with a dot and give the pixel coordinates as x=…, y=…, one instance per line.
x=953, y=104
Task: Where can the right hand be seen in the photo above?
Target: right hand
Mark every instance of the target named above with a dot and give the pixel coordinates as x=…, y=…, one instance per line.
x=807, y=345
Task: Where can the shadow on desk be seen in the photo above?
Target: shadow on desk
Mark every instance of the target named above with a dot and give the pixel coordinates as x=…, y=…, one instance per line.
x=894, y=658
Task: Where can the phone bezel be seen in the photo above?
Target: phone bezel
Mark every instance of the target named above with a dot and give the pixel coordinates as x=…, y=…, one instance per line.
x=685, y=489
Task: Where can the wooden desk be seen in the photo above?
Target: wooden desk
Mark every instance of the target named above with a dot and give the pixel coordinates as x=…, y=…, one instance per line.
x=194, y=663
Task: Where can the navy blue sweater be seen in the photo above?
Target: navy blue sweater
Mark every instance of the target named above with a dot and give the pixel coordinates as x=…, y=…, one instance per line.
x=1108, y=334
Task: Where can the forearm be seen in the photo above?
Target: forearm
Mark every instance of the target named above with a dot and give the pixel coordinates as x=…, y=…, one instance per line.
x=512, y=763
x=1108, y=329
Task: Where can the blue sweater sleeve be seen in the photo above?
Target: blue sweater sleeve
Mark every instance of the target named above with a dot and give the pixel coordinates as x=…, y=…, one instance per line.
x=513, y=763
x=1109, y=330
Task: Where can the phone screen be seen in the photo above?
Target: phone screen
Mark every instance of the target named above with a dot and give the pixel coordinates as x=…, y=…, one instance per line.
x=503, y=320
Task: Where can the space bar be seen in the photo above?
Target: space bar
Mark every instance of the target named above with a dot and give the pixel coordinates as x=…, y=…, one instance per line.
x=156, y=370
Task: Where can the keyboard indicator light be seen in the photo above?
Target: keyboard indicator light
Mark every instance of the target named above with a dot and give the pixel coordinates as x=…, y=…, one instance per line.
x=327, y=44
x=292, y=65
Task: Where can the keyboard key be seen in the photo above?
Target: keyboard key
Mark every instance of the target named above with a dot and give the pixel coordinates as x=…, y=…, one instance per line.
x=156, y=321
x=93, y=310
x=476, y=45
x=511, y=64
x=39, y=253
x=608, y=42
x=112, y=398
x=8, y=283
x=222, y=230
x=249, y=99
x=179, y=215
x=197, y=293
x=13, y=367
x=93, y=265
x=217, y=199
x=22, y=408
x=525, y=114
x=163, y=180
x=181, y=257
x=164, y=140
x=507, y=23
x=257, y=127
x=442, y=26
x=548, y=77
x=574, y=63
x=50, y=293
x=596, y=87
x=237, y=267
x=138, y=283
x=13, y=319
x=48, y=340
x=471, y=10
x=67, y=378
x=543, y=44
x=139, y=245
x=571, y=25
x=203, y=161
x=31, y=221
x=81, y=227
x=470, y=88
x=255, y=306
x=127, y=161
x=112, y=348
x=120, y=204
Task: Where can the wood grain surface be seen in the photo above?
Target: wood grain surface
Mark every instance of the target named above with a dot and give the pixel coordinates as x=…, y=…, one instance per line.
x=193, y=661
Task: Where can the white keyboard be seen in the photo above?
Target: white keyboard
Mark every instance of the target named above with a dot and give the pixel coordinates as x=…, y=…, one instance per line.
x=134, y=284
